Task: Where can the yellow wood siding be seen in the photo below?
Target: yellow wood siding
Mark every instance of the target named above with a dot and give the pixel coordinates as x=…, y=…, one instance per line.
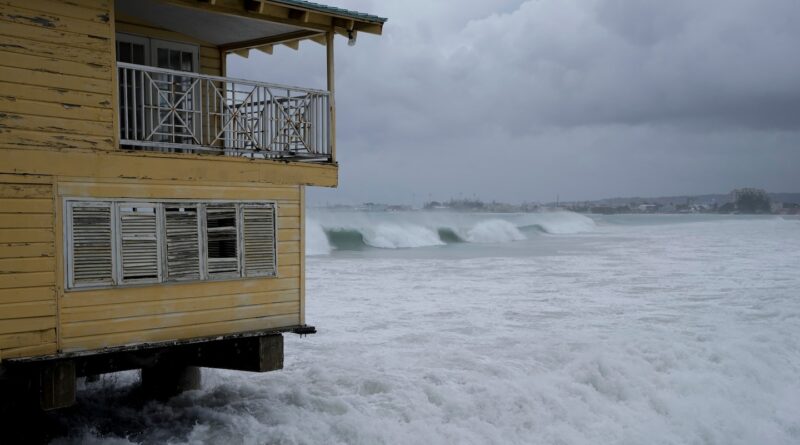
x=96, y=318
x=56, y=84
x=27, y=267
x=58, y=138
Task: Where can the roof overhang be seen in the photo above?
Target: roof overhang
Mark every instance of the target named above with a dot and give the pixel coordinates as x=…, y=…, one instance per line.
x=235, y=25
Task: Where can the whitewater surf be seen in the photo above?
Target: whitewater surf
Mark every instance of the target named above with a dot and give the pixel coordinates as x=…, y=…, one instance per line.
x=351, y=230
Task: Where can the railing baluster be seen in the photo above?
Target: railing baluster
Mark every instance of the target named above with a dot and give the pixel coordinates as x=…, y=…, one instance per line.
x=175, y=110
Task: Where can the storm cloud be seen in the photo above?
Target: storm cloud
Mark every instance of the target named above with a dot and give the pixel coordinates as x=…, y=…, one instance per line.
x=526, y=100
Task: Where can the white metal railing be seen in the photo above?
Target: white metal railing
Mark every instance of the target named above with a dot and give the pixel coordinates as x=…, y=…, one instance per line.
x=177, y=111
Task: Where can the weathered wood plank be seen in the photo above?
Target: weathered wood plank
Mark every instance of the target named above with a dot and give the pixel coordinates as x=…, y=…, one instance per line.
x=55, y=66
x=74, y=116
x=158, y=167
x=288, y=271
x=31, y=279
x=21, y=339
x=15, y=265
x=181, y=332
x=26, y=325
x=8, y=190
x=28, y=309
x=26, y=236
x=289, y=259
x=13, y=138
x=101, y=44
x=53, y=80
x=26, y=205
x=50, y=124
x=171, y=191
x=53, y=95
x=174, y=291
x=27, y=294
x=91, y=11
x=21, y=220
x=210, y=52
x=26, y=250
x=16, y=44
x=30, y=351
x=115, y=326
x=288, y=247
x=288, y=222
x=289, y=209
x=14, y=14
x=288, y=235
x=139, y=309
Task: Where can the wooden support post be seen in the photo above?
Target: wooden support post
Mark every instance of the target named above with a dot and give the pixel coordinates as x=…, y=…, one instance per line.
x=57, y=385
x=169, y=378
x=254, y=354
x=331, y=89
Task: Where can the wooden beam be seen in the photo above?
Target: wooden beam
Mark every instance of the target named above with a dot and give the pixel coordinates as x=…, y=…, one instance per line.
x=272, y=40
x=293, y=44
x=254, y=6
x=331, y=89
x=243, y=52
x=321, y=39
x=299, y=14
x=265, y=49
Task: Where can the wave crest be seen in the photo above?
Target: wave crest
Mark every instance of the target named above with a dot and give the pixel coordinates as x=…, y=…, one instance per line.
x=494, y=231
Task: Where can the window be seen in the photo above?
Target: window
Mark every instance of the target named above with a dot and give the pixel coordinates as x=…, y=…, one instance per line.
x=122, y=242
x=138, y=236
x=90, y=244
x=183, y=241
x=223, y=239
x=259, y=240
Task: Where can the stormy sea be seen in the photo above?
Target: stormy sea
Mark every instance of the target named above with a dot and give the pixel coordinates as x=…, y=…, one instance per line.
x=537, y=328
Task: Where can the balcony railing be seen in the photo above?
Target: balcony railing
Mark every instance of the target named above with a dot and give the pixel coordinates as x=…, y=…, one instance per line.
x=175, y=111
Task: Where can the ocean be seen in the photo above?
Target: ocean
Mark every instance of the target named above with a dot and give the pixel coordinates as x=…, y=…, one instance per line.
x=541, y=328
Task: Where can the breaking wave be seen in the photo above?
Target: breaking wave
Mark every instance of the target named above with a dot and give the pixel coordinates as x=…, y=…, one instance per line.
x=328, y=231
x=494, y=231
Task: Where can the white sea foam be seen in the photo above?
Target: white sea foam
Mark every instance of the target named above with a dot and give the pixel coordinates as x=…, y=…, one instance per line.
x=316, y=240
x=348, y=230
x=493, y=231
x=397, y=236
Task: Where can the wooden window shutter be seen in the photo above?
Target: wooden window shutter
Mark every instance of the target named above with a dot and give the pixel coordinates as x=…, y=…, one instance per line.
x=222, y=240
x=259, y=240
x=182, y=242
x=138, y=226
x=91, y=249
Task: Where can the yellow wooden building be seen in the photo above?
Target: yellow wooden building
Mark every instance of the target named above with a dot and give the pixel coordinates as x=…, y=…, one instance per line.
x=151, y=208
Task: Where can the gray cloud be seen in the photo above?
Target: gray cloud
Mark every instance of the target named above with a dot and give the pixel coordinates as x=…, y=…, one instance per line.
x=520, y=100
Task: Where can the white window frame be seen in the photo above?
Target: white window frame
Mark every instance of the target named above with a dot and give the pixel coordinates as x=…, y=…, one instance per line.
x=156, y=44
x=163, y=273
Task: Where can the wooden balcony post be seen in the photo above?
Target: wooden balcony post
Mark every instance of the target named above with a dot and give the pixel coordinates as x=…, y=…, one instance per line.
x=331, y=89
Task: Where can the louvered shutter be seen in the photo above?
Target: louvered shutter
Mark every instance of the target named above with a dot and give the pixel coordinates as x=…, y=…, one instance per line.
x=222, y=240
x=91, y=261
x=138, y=226
x=259, y=240
x=182, y=240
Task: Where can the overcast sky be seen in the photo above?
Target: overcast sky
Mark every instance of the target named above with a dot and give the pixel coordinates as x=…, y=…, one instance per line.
x=525, y=100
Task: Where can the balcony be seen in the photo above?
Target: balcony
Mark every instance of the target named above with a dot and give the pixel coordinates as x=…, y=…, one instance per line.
x=172, y=111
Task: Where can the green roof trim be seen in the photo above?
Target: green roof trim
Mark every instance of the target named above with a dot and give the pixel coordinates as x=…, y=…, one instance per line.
x=332, y=10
